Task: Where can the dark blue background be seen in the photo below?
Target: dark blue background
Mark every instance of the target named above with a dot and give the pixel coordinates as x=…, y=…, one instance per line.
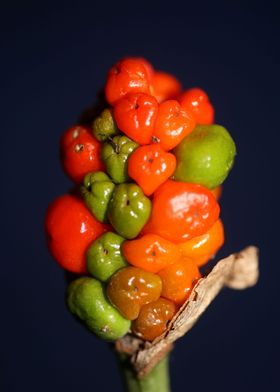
x=53, y=60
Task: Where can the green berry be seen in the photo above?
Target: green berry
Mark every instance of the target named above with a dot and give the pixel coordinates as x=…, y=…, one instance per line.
x=104, y=126
x=96, y=192
x=87, y=300
x=104, y=256
x=205, y=156
x=129, y=210
x=115, y=154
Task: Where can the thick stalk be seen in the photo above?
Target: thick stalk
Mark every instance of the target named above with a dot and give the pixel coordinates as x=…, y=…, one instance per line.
x=156, y=381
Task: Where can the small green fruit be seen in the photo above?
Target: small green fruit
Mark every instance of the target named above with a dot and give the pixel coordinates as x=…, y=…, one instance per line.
x=104, y=126
x=115, y=154
x=87, y=300
x=205, y=156
x=104, y=256
x=96, y=192
x=129, y=210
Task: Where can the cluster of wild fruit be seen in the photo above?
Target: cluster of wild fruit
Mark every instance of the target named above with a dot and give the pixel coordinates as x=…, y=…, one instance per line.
x=146, y=218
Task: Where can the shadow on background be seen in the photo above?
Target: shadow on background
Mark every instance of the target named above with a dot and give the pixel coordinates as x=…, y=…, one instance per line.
x=54, y=59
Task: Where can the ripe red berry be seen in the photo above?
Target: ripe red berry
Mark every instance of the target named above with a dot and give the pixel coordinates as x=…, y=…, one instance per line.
x=196, y=100
x=80, y=153
x=127, y=76
x=70, y=229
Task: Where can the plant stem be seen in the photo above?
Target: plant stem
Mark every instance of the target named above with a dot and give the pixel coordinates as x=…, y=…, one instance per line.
x=156, y=381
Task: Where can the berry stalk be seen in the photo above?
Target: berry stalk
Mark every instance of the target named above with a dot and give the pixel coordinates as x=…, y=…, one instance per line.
x=157, y=380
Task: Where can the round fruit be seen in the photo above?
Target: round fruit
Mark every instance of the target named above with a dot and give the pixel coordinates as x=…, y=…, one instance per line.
x=104, y=256
x=164, y=86
x=127, y=76
x=182, y=211
x=200, y=249
x=150, y=166
x=135, y=115
x=129, y=210
x=131, y=288
x=153, y=319
x=115, y=154
x=196, y=100
x=151, y=252
x=80, y=153
x=70, y=229
x=205, y=156
x=178, y=280
x=87, y=300
x=173, y=123
x=96, y=192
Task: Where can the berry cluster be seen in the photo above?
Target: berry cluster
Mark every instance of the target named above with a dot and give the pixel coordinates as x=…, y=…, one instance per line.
x=149, y=172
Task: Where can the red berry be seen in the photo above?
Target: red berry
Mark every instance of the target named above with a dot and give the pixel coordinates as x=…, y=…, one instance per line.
x=80, y=153
x=127, y=76
x=70, y=229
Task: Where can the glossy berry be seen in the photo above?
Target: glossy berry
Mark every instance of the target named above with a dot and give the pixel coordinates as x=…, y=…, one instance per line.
x=197, y=101
x=135, y=115
x=164, y=86
x=148, y=66
x=151, y=252
x=70, y=229
x=96, y=191
x=172, y=125
x=153, y=319
x=80, y=153
x=104, y=256
x=127, y=76
x=130, y=288
x=150, y=166
x=129, y=210
x=115, y=153
x=202, y=248
x=182, y=211
x=205, y=156
x=178, y=280
x=86, y=299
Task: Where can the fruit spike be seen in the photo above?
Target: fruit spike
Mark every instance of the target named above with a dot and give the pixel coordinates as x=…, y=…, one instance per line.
x=144, y=220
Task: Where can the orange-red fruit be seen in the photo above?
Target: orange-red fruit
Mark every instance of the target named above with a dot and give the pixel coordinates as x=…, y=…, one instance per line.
x=178, y=280
x=130, y=288
x=135, y=115
x=164, y=86
x=153, y=319
x=182, y=211
x=202, y=248
x=196, y=100
x=150, y=166
x=148, y=66
x=80, y=153
x=70, y=229
x=127, y=76
x=151, y=252
x=173, y=123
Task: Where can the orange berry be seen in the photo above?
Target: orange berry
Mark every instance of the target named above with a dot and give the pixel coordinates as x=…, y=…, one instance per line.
x=150, y=166
x=127, y=76
x=173, y=123
x=164, y=86
x=178, y=280
x=200, y=249
x=197, y=101
x=151, y=252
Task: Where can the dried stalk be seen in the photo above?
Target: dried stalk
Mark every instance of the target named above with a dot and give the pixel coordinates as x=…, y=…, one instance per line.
x=237, y=271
